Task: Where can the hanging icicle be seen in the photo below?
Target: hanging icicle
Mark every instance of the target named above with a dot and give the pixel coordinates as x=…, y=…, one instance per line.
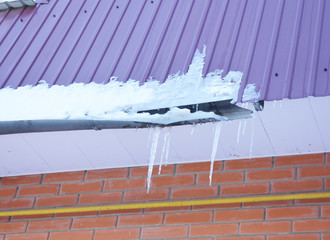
x=239, y=131
x=215, y=147
x=153, y=150
x=252, y=137
x=165, y=148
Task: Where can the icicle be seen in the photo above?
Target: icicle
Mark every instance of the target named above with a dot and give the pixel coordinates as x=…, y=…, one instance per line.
x=167, y=145
x=239, y=131
x=215, y=147
x=244, y=127
x=164, y=149
x=274, y=103
x=153, y=149
x=252, y=136
x=192, y=129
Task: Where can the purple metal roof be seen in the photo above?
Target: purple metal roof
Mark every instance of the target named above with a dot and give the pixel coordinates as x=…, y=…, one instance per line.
x=281, y=46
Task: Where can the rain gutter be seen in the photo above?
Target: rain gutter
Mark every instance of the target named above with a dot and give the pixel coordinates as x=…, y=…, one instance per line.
x=221, y=108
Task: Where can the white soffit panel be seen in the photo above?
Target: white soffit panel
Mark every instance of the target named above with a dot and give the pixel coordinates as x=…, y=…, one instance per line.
x=287, y=127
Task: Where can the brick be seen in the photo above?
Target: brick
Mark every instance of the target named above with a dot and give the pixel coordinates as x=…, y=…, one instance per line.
x=125, y=184
x=121, y=212
x=94, y=222
x=143, y=171
x=192, y=238
x=198, y=167
x=32, y=236
x=265, y=227
x=273, y=174
x=269, y=203
x=7, y=192
x=239, y=215
x=315, y=225
x=81, y=235
x=318, y=171
x=100, y=198
x=16, y=203
x=213, y=229
x=292, y=212
x=194, y=192
x=4, y=219
x=312, y=201
x=168, y=209
x=325, y=211
x=32, y=217
x=294, y=237
x=49, y=225
x=173, y=181
x=223, y=177
x=164, y=232
x=248, y=164
x=245, y=188
x=56, y=201
x=77, y=214
x=189, y=217
x=217, y=206
x=297, y=186
x=326, y=236
x=142, y=195
x=299, y=160
x=13, y=227
x=140, y=220
x=20, y=180
x=107, y=174
x=63, y=177
x=2, y=237
x=242, y=238
x=126, y=233
x=38, y=190
x=83, y=187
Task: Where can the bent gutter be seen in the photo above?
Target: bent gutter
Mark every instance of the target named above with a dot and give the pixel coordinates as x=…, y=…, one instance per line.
x=27, y=126
x=221, y=108
x=167, y=204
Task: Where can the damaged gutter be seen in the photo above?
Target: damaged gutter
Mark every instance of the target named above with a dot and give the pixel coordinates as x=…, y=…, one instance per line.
x=221, y=108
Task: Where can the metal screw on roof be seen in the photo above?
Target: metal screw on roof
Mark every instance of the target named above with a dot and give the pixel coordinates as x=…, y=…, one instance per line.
x=276, y=74
x=117, y=6
x=325, y=69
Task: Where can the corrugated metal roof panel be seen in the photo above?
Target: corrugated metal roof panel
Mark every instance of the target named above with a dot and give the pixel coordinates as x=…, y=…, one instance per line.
x=281, y=46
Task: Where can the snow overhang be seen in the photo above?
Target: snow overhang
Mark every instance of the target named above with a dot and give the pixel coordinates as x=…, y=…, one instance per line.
x=198, y=113
x=182, y=99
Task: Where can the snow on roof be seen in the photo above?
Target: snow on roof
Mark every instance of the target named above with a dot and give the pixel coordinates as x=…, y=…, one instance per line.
x=121, y=101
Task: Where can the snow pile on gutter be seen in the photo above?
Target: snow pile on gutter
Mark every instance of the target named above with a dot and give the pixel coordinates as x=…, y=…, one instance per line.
x=121, y=101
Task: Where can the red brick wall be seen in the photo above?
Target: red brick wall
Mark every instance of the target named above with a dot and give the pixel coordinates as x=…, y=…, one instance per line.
x=278, y=220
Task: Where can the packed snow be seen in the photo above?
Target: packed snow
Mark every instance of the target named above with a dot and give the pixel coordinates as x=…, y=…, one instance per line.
x=121, y=101
x=250, y=93
x=116, y=100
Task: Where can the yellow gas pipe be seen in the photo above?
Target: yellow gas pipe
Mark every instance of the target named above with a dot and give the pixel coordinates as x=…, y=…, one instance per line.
x=168, y=204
